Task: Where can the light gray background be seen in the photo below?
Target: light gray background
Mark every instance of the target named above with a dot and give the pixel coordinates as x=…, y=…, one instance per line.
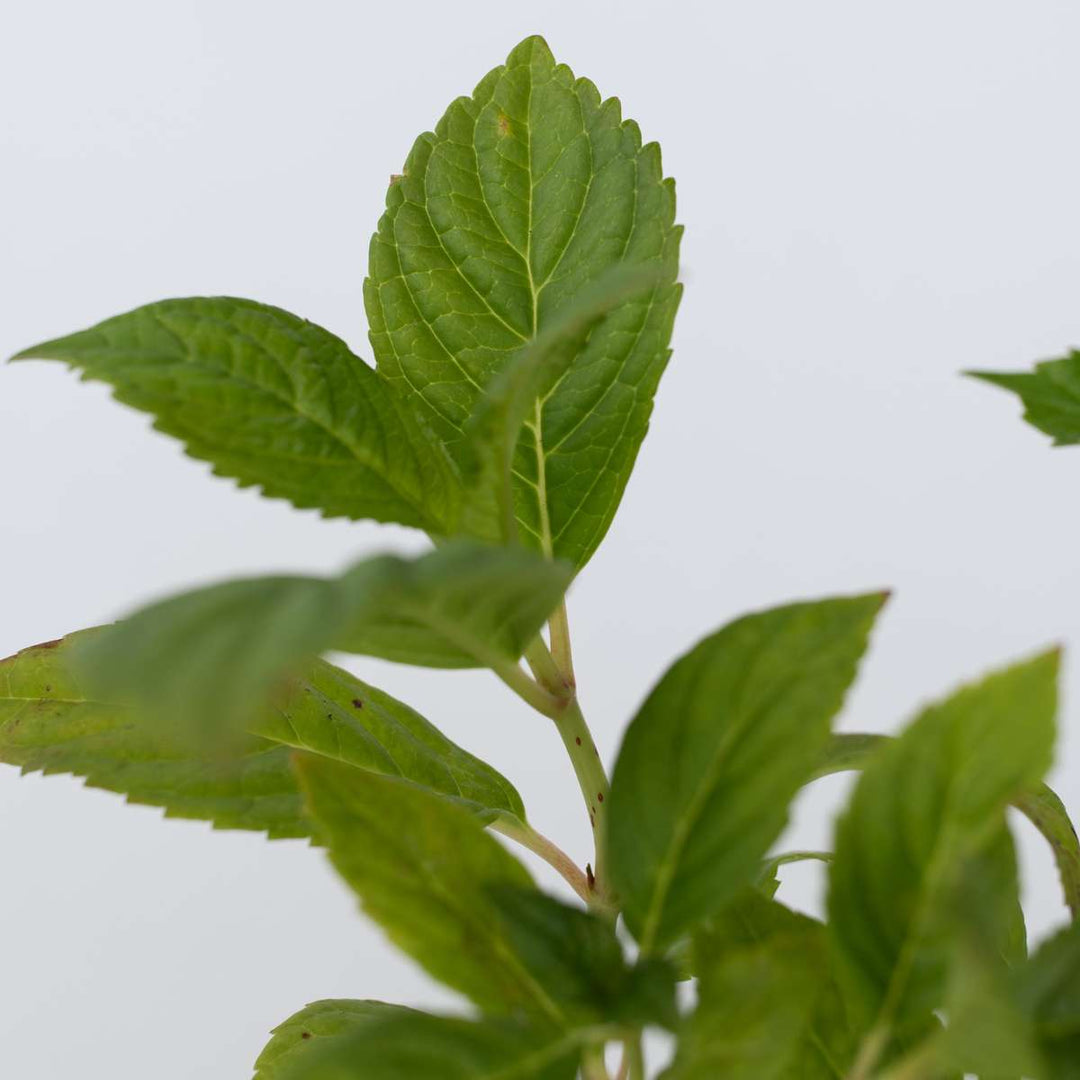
x=875, y=196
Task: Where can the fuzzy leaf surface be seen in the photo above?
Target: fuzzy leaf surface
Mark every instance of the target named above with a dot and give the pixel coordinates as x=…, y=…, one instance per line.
x=942, y=787
x=712, y=759
x=423, y=870
x=272, y=400
x=526, y=193
x=49, y=724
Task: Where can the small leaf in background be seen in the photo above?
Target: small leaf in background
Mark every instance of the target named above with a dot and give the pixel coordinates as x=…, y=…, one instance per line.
x=308, y=1032
x=204, y=664
x=941, y=790
x=525, y=195
x=1050, y=393
x=47, y=723
x=576, y=957
x=714, y=756
x=422, y=869
x=272, y=400
x=418, y=1046
x=1048, y=989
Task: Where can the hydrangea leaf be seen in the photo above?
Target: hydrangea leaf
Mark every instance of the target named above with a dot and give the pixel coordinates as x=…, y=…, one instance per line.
x=423, y=869
x=48, y=723
x=206, y=662
x=1050, y=394
x=274, y=401
x=526, y=193
x=712, y=759
x=412, y=1045
x=308, y=1033
x=943, y=786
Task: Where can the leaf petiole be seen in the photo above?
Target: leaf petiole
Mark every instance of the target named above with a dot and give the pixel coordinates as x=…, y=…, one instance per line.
x=550, y=852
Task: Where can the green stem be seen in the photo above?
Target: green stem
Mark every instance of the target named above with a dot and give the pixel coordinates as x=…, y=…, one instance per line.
x=635, y=1058
x=553, y=855
x=561, y=652
x=526, y=688
x=593, y=781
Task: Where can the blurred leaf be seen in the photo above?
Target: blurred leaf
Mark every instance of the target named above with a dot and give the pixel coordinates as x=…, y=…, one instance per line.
x=298, y=1040
x=206, y=662
x=714, y=756
x=423, y=870
x=418, y=1046
x=942, y=787
x=1040, y=805
x=576, y=957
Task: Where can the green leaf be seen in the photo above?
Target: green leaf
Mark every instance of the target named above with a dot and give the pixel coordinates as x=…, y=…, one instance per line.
x=308, y=1033
x=337, y=716
x=576, y=957
x=1048, y=988
x=525, y=194
x=769, y=877
x=493, y=430
x=48, y=723
x=1043, y=808
x=417, y=1045
x=423, y=869
x=1050, y=393
x=206, y=662
x=714, y=756
x=942, y=787
x=755, y=1007
x=272, y=400
x=464, y=605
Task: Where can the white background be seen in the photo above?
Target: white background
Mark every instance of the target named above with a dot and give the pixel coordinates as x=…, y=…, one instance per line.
x=875, y=195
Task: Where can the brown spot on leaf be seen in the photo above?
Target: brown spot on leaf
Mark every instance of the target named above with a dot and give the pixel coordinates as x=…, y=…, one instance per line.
x=504, y=124
x=357, y=703
x=305, y=1034
x=395, y=177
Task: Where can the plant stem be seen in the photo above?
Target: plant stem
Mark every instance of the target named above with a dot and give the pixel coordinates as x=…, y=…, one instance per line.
x=526, y=688
x=592, y=780
x=584, y=756
x=634, y=1061
x=553, y=855
x=561, y=653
